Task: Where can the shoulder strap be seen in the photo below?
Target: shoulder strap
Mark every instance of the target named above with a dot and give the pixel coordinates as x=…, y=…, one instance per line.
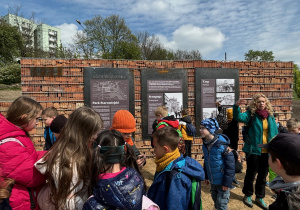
x=10, y=140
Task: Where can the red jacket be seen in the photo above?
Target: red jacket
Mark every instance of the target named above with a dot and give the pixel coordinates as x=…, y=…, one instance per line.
x=17, y=162
x=170, y=120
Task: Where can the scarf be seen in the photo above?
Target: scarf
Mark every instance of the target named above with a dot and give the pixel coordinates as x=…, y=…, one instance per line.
x=163, y=162
x=129, y=141
x=262, y=113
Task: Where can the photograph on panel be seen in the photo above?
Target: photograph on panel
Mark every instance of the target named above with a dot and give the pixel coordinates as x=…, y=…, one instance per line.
x=209, y=113
x=174, y=103
x=225, y=85
x=225, y=98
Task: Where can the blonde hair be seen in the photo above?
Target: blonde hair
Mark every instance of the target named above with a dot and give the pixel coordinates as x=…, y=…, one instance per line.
x=254, y=100
x=292, y=123
x=161, y=110
x=50, y=112
x=185, y=112
x=20, y=107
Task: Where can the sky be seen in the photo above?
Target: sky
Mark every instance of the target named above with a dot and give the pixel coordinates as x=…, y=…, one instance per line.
x=214, y=27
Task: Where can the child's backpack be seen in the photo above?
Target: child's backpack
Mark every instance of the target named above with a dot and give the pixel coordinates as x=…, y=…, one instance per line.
x=181, y=144
x=195, y=197
x=190, y=129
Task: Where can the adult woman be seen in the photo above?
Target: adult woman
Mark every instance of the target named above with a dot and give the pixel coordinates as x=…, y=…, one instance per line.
x=259, y=117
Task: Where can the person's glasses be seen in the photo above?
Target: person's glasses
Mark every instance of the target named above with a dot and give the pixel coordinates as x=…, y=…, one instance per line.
x=202, y=128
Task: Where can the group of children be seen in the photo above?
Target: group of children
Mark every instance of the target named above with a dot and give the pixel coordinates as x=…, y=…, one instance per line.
x=88, y=168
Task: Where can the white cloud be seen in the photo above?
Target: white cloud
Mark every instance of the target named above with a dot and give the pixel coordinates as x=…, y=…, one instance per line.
x=288, y=55
x=189, y=37
x=67, y=32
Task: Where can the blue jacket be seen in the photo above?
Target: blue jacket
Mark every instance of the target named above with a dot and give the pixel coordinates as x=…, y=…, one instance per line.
x=49, y=138
x=125, y=191
x=178, y=195
x=219, y=165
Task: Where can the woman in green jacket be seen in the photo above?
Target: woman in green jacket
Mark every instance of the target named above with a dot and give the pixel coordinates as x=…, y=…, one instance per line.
x=262, y=128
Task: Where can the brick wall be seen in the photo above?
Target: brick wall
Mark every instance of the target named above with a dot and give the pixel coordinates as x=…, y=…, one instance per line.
x=65, y=92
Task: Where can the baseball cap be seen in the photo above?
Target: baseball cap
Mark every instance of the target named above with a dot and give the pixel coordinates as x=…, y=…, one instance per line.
x=286, y=145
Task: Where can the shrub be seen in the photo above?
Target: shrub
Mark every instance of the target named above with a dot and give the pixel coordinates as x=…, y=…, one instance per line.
x=10, y=74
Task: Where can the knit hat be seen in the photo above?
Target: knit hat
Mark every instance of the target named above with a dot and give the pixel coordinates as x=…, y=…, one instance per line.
x=58, y=123
x=210, y=124
x=124, y=122
x=229, y=113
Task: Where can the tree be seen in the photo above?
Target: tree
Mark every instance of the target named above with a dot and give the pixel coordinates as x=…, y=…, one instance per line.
x=256, y=55
x=11, y=43
x=296, y=85
x=108, y=38
x=187, y=55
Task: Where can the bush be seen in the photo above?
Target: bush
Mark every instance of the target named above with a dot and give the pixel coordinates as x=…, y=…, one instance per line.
x=10, y=74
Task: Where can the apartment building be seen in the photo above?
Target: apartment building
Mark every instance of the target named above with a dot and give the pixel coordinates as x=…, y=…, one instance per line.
x=40, y=36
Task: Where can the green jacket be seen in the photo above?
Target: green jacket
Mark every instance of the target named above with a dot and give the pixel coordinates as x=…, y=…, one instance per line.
x=255, y=130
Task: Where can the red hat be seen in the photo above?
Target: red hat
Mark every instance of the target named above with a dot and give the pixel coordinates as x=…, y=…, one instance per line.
x=124, y=122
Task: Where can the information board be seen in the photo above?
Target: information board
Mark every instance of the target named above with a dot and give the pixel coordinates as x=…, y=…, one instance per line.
x=212, y=85
x=108, y=90
x=166, y=87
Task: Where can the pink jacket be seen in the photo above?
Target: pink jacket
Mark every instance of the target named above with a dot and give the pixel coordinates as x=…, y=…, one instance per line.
x=17, y=160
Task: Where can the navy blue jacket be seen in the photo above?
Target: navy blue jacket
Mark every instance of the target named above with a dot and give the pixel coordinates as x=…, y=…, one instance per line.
x=219, y=165
x=178, y=195
x=125, y=191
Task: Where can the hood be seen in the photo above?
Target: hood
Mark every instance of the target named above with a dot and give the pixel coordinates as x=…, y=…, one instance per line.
x=190, y=167
x=9, y=130
x=171, y=121
x=279, y=184
x=125, y=191
x=187, y=119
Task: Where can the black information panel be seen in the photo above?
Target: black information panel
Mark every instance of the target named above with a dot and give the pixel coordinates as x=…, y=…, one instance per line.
x=166, y=87
x=214, y=84
x=108, y=90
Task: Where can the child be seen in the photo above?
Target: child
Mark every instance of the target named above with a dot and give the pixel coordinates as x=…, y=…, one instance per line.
x=118, y=180
x=124, y=122
x=17, y=152
x=172, y=192
x=219, y=163
x=48, y=116
x=57, y=125
x=161, y=114
x=68, y=163
x=183, y=127
x=284, y=159
x=293, y=126
x=280, y=128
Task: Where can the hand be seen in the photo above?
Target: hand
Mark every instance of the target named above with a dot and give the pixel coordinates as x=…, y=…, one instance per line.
x=141, y=159
x=224, y=188
x=206, y=181
x=241, y=102
x=218, y=103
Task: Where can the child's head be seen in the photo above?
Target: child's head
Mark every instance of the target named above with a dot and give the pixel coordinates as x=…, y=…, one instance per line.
x=165, y=140
x=284, y=153
x=48, y=115
x=185, y=112
x=208, y=127
x=161, y=112
x=276, y=116
x=24, y=112
x=57, y=124
x=124, y=122
x=293, y=126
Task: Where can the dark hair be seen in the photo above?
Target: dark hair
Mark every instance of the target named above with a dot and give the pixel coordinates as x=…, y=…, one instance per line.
x=167, y=136
x=185, y=112
x=276, y=115
x=112, y=140
x=291, y=168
